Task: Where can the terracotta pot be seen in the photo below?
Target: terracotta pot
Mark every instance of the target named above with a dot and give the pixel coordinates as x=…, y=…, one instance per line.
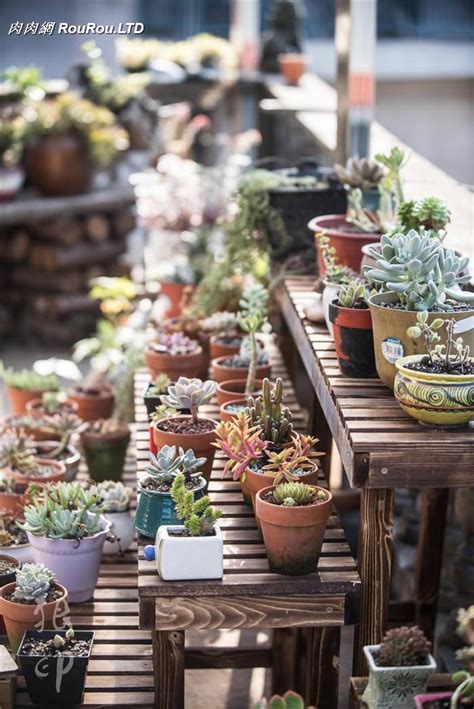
x=225, y=414
x=59, y=164
x=93, y=403
x=6, y=579
x=390, y=334
x=257, y=481
x=35, y=408
x=105, y=453
x=234, y=388
x=19, y=399
x=222, y=373
x=59, y=473
x=293, y=536
x=24, y=616
x=292, y=66
x=71, y=462
x=175, y=366
x=173, y=291
x=220, y=349
x=199, y=442
x=353, y=337
x=344, y=237
x=11, y=503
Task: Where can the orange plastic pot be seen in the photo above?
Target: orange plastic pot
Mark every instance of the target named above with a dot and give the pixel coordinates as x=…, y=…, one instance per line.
x=234, y=388
x=344, y=238
x=354, y=340
x=293, y=536
x=199, y=442
x=175, y=366
x=292, y=66
x=19, y=399
x=223, y=373
x=93, y=403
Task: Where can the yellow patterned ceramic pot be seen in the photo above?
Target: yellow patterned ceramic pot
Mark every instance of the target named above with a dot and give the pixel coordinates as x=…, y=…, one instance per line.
x=445, y=400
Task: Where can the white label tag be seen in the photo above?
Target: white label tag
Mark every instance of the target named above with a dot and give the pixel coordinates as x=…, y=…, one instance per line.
x=392, y=349
x=464, y=325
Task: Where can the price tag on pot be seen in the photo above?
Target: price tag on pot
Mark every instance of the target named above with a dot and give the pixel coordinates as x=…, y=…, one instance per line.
x=392, y=349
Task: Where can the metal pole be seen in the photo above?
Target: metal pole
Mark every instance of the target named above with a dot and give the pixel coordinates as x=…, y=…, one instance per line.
x=362, y=74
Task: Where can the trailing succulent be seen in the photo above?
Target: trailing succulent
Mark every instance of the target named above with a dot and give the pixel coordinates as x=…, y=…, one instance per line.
x=403, y=647
x=190, y=394
x=335, y=273
x=453, y=357
x=169, y=462
x=33, y=582
x=268, y=412
x=197, y=516
x=424, y=274
x=293, y=494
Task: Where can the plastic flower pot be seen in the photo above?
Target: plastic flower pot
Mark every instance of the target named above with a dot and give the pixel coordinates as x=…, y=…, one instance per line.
x=391, y=341
x=231, y=389
x=220, y=348
x=293, y=536
x=19, y=617
x=221, y=372
x=201, y=443
x=7, y=578
x=75, y=565
x=175, y=366
x=58, y=473
x=181, y=558
x=394, y=687
x=344, y=237
x=93, y=402
x=20, y=397
x=227, y=414
x=55, y=681
x=352, y=329
x=438, y=700
x=292, y=66
x=121, y=526
x=49, y=160
x=156, y=508
x=71, y=459
x=445, y=400
x=105, y=453
x=150, y=400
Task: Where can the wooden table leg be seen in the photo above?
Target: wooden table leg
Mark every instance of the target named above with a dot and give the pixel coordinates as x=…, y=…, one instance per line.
x=285, y=659
x=434, y=505
x=322, y=667
x=375, y=564
x=168, y=669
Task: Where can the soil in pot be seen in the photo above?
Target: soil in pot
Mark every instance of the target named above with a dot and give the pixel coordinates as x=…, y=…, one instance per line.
x=105, y=453
x=14, y=542
x=257, y=480
x=59, y=164
x=353, y=337
x=232, y=389
x=174, y=366
x=19, y=399
x=156, y=506
x=183, y=432
x=38, y=647
x=346, y=238
x=8, y=568
x=70, y=456
x=228, y=368
x=93, y=402
x=48, y=471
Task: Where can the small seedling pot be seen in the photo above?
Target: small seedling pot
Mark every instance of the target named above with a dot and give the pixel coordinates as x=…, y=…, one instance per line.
x=55, y=681
x=105, y=453
x=187, y=558
x=353, y=337
x=223, y=373
x=156, y=508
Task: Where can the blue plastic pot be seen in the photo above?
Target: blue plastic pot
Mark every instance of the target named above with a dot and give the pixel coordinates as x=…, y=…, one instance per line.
x=156, y=508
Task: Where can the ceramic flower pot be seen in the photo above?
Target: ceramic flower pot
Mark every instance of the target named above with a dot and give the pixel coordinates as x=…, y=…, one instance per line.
x=329, y=294
x=157, y=508
x=175, y=366
x=226, y=412
x=391, y=341
x=201, y=443
x=344, y=237
x=11, y=181
x=223, y=373
x=105, y=453
x=292, y=66
x=258, y=481
x=121, y=526
x=58, y=473
x=19, y=617
x=71, y=459
x=187, y=558
x=93, y=402
x=445, y=400
x=394, y=687
x=293, y=536
x=352, y=330
x=231, y=389
x=6, y=578
x=218, y=348
x=76, y=566
x=174, y=293
x=49, y=161
x=19, y=399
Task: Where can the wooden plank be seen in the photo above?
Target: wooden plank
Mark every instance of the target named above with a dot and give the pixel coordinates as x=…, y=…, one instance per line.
x=168, y=654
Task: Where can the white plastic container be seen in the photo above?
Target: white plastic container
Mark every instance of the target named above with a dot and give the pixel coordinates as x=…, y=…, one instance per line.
x=121, y=525
x=188, y=558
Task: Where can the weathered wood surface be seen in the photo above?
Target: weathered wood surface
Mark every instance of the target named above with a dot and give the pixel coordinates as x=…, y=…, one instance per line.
x=380, y=446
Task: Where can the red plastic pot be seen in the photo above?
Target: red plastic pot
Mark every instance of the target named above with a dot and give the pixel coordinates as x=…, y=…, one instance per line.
x=344, y=237
x=354, y=340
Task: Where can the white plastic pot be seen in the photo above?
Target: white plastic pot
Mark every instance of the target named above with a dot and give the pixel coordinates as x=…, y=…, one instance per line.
x=329, y=294
x=75, y=564
x=121, y=526
x=188, y=558
x=21, y=552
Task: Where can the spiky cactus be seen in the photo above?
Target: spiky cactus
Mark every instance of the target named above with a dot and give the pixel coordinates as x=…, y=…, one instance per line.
x=268, y=412
x=197, y=516
x=190, y=394
x=33, y=583
x=403, y=647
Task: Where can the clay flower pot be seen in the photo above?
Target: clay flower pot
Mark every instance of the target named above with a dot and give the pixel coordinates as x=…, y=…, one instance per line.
x=105, y=453
x=12, y=503
x=226, y=414
x=174, y=292
x=353, y=337
x=218, y=348
x=223, y=373
x=58, y=473
x=71, y=457
x=19, y=399
x=257, y=481
x=293, y=536
x=35, y=408
x=445, y=400
x=344, y=237
x=59, y=164
x=6, y=578
x=199, y=442
x=232, y=389
x=391, y=341
x=19, y=617
x=175, y=366
x=93, y=402
x=292, y=66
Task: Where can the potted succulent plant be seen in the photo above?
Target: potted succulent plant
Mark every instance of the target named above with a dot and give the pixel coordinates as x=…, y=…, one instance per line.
x=334, y=277
x=193, y=550
x=193, y=431
x=429, y=214
x=25, y=385
x=415, y=273
x=34, y=595
x=51, y=402
x=226, y=337
x=11, y=496
x=115, y=501
x=55, y=444
x=364, y=174
x=153, y=392
x=290, y=700
x=175, y=355
x=293, y=518
x=267, y=410
x=155, y=505
x=18, y=461
x=93, y=402
x=436, y=388
x=13, y=540
x=49, y=649
x=12, y=175
x=352, y=330
x=105, y=444
x=292, y=66
x=399, y=668
x=67, y=532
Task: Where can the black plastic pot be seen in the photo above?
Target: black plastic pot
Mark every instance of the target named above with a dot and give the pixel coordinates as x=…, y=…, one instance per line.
x=44, y=674
x=354, y=340
x=152, y=401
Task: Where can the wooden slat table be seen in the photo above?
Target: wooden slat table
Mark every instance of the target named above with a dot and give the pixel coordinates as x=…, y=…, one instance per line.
x=249, y=596
x=381, y=449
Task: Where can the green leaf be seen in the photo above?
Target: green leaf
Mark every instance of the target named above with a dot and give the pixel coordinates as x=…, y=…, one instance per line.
x=293, y=700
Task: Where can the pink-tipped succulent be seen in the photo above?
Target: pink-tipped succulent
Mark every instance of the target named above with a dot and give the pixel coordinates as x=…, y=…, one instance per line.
x=174, y=344
x=241, y=443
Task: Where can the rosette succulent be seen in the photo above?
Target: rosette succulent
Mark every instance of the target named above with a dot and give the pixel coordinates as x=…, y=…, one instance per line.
x=364, y=173
x=174, y=344
x=403, y=647
x=293, y=494
x=190, y=394
x=33, y=583
x=114, y=496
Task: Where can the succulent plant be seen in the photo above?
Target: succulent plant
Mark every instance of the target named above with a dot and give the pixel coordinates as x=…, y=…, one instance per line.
x=394, y=162
x=254, y=300
x=220, y=324
x=288, y=463
x=169, y=462
x=251, y=318
x=451, y=357
x=464, y=689
x=290, y=700
x=430, y=214
x=465, y=619
x=335, y=273
x=352, y=294
x=292, y=494
x=163, y=412
x=421, y=271
x=174, y=344
x=403, y=647
x=63, y=424
x=17, y=451
x=28, y=380
x=240, y=442
x=190, y=394
x=159, y=385
x=268, y=412
x=360, y=172
x=33, y=582
x=197, y=516
x=114, y=496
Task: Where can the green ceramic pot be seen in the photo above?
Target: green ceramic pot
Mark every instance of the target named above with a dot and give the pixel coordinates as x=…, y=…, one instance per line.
x=157, y=508
x=105, y=453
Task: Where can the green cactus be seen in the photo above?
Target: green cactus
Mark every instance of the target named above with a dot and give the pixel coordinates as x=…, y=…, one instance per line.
x=268, y=412
x=403, y=647
x=198, y=516
x=33, y=583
